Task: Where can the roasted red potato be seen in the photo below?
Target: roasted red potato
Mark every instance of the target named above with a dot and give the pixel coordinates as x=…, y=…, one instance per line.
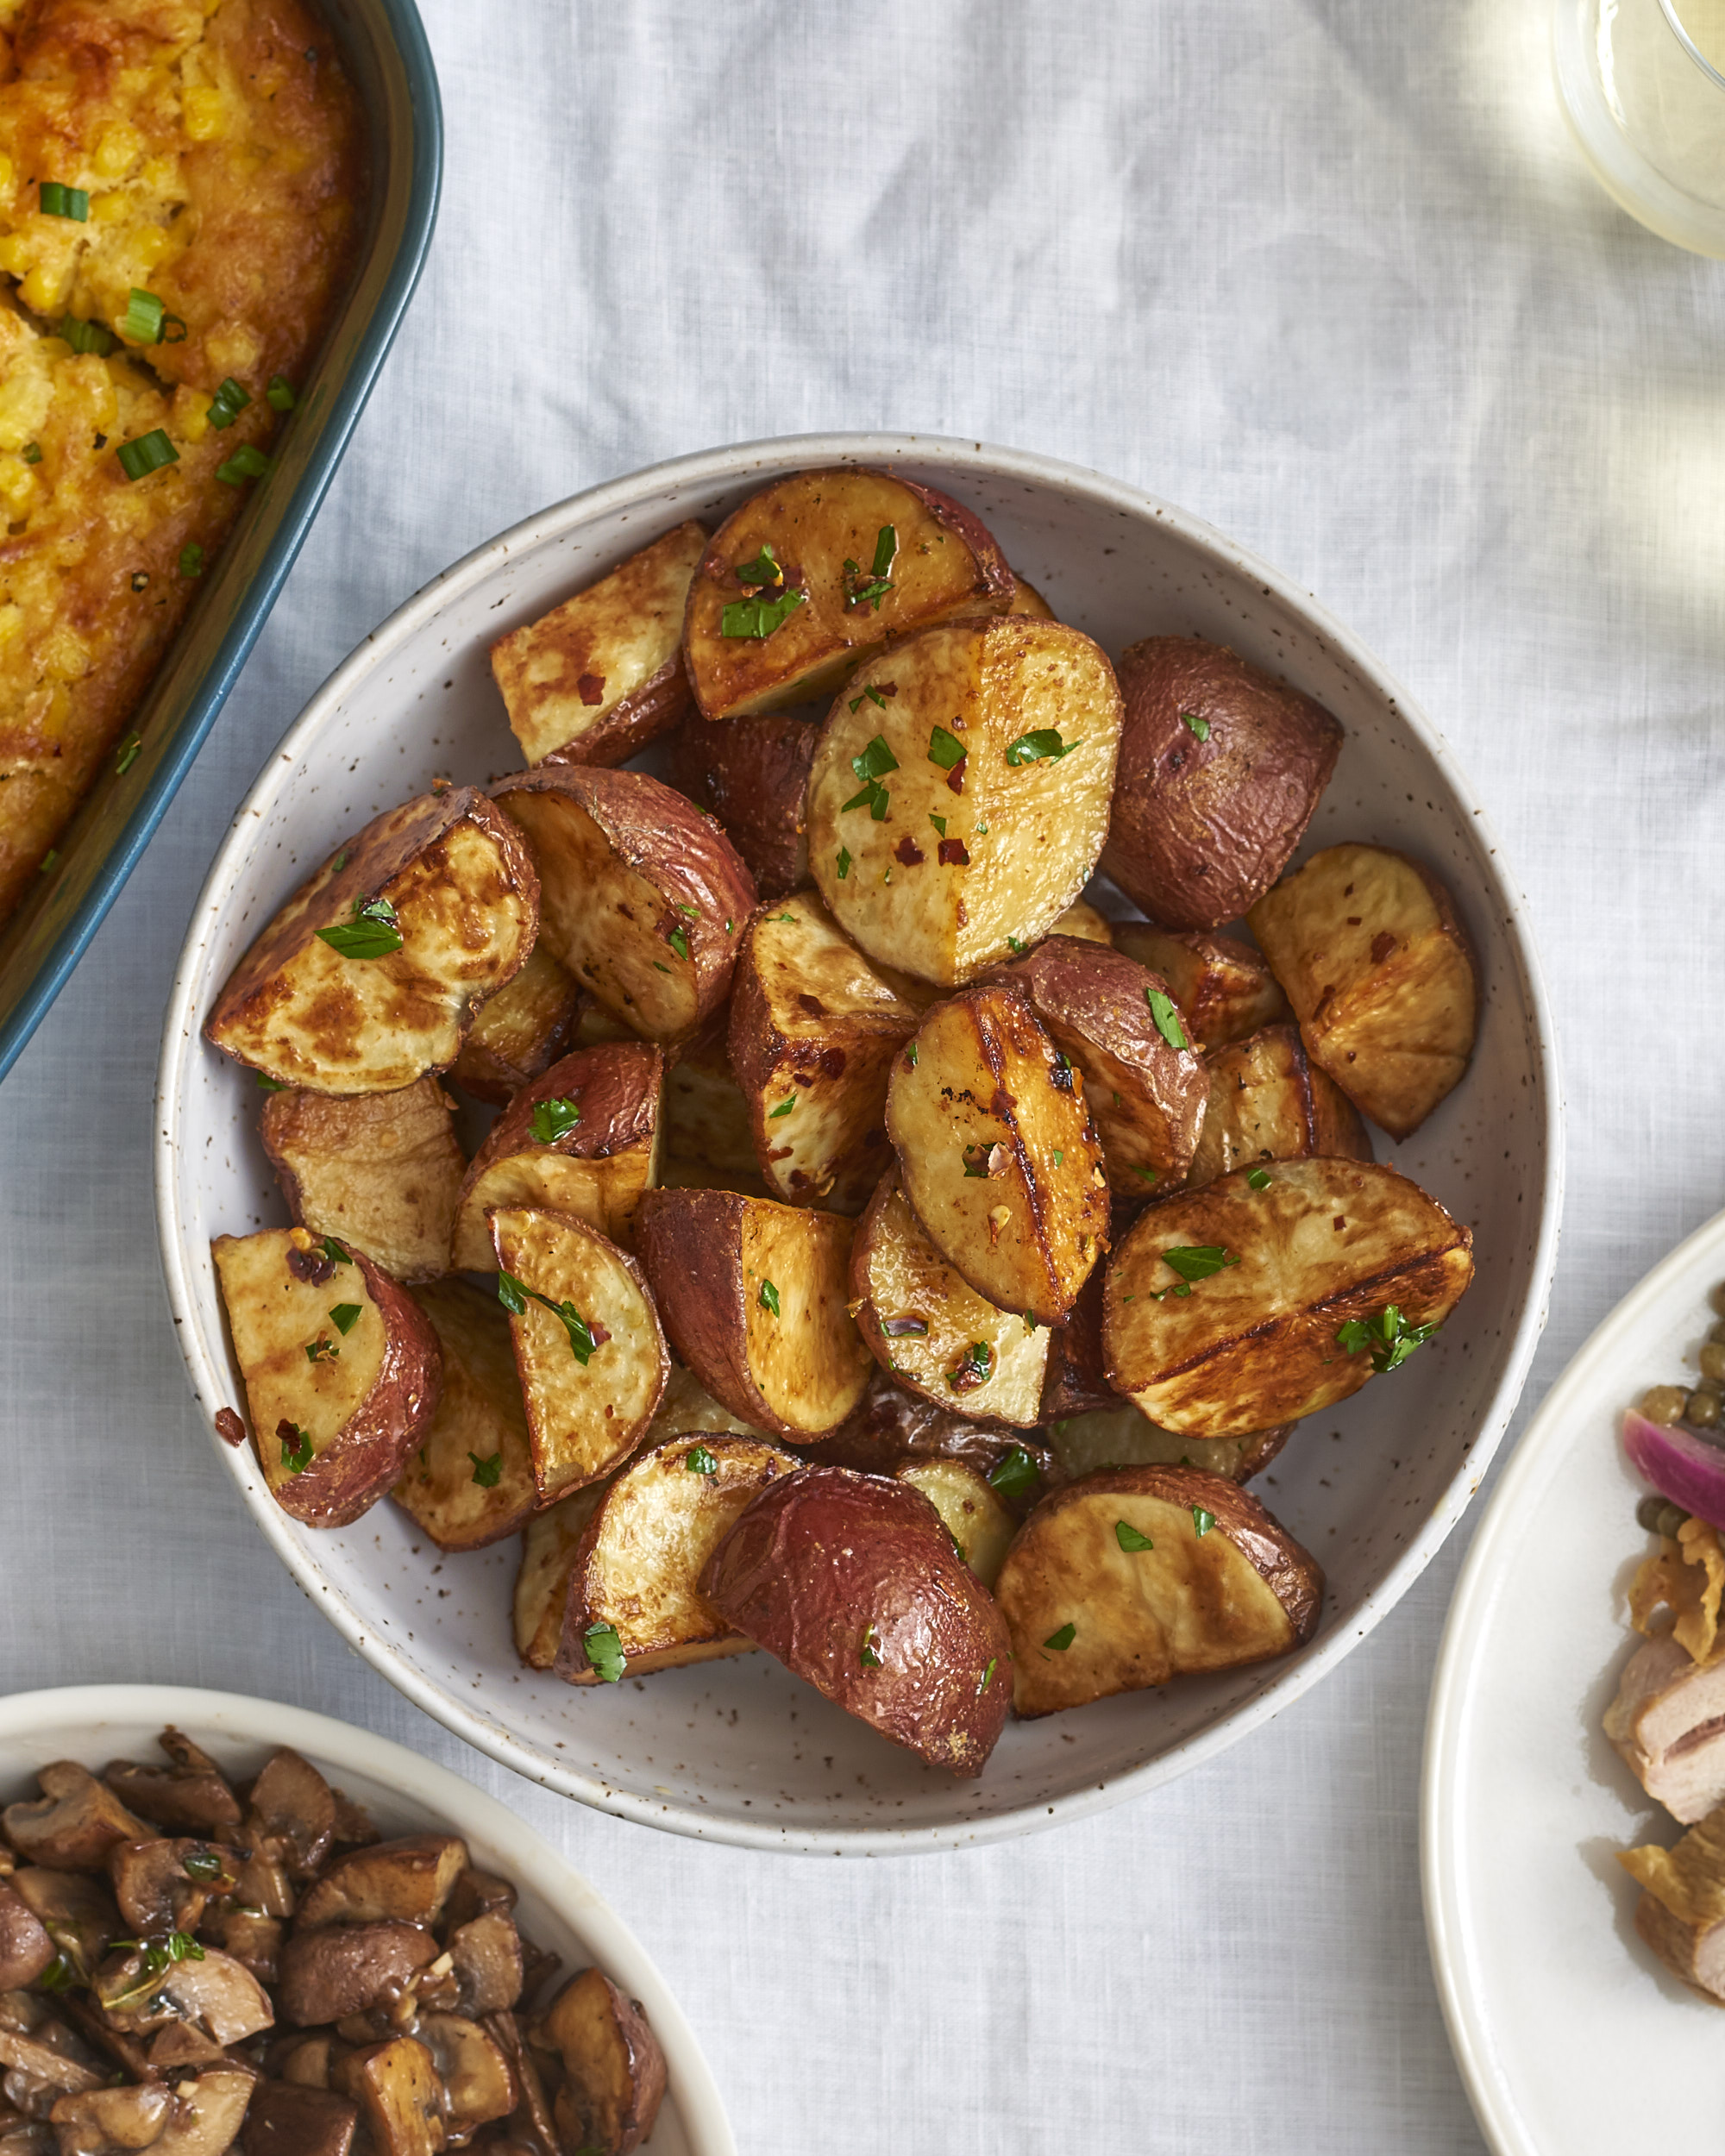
x=854, y=1583
x=753, y=1295
x=980, y=1523
x=999, y=1156
x=587, y=1346
x=1026, y=600
x=1221, y=766
x=1268, y=1103
x=1242, y=1305
x=817, y=571
x=582, y=1139
x=522, y=1031
x=752, y=774
x=959, y=795
x=1136, y=1575
x=814, y=1028
x=370, y=973
x=632, y=1605
x=1225, y=988
x=1117, y=1435
x=601, y=676
x=379, y=1171
x=399, y=2095
x=1082, y=920
x=643, y=896
x=613, y=2069
x=342, y=1367
x=541, y=1584
x=932, y=1329
x=708, y=1127
x=893, y=1424
x=1377, y=968
x=471, y=1481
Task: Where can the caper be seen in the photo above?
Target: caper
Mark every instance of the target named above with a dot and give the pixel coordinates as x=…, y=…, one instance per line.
x=1671, y=1519
x=1717, y=1298
x=1712, y=1359
x=1665, y=1403
x=1649, y=1511
x=1702, y=1411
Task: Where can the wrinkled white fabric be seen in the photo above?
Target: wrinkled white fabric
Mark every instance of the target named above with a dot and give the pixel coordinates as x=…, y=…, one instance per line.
x=1327, y=274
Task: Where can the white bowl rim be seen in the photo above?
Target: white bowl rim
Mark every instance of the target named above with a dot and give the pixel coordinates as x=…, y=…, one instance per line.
x=211, y=1717
x=728, y=466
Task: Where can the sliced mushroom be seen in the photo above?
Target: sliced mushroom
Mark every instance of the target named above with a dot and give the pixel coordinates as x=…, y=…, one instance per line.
x=346, y=1969
x=188, y=1797
x=353, y=1827
x=475, y=1892
x=263, y=1885
x=164, y=1886
x=405, y=1881
x=292, y=1810
x=486, y=1956
x=531, y=2124
x=74, y=1823
x=615, y=2067
x=44, y=2064
x=108, y=2122
x=477, y=2085
x=25, y=1947
x=287, y=2118
x=253, y=1940
x=210, y=1992
x=396, y=2087
x=208, y=2113
x=76, y=1913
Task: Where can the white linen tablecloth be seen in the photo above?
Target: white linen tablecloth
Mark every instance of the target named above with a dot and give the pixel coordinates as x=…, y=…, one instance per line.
x=1327, y=274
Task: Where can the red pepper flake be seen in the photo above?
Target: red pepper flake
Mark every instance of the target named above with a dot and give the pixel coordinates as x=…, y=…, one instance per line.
x=229, y=1426
x=591, y=688
x=955, y=778
x=953, y=854
x=908, y=852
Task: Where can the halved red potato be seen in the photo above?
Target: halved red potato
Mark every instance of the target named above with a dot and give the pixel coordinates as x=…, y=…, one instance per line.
x=1231, y=1308
x=893, y=1424
x=1136, y=1575
x=999, y=1156
x=643, y=897
x=1224, y=987
x=753, y=1295
x=341, y=1369
x=1144, y=1086
x=1221, y=766
x=752, y=774
x=816, y=572
x=972, y=1513
x=1082, y=920
x=705, y=1118
x=601, y=676
x=1119, y=1435
x=932, y=1329
x=613, y=2069
x=1267, y=1103
x=853, y=1583
x=1077, y=1378
x=581, y=1139
x=959, y=796
x=519, y=1031
x=587, y=1346
x=1378, y=968
x=541, y=1584
x=814, y=1028
x=687, y=1406
x=1026, y=600
x=379, y=1171
x=634, y=1576
x=470, y=1480
x=370, y=975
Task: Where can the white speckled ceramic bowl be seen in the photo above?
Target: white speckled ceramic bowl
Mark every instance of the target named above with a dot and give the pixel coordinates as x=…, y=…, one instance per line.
x=740, y=1750
x=95, y=1723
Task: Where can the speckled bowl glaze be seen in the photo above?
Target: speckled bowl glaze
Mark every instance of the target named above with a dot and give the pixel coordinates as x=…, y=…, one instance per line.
x=739, y=1750
x=95, y=1723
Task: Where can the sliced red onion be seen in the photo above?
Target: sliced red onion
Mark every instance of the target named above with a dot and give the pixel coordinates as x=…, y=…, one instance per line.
x=1679, y=1465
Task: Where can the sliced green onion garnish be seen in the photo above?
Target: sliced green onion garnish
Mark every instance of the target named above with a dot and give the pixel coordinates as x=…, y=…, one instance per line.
x=145, y=315
x=32, y=453
x=246, y=463
x=130, y=749
x=150, y=453
x=191, y=559
x=281, y=394
x=86, y=336
x=60, y=201
x=228, y=402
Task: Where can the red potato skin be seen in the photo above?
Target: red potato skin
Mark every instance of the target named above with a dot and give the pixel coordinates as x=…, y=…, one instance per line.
x=615, y=1086
x=364, y=1463
x=752, y=774
x=823, y=1555
x=1075, y=1380
x=1201, y=828
x=892, y=1426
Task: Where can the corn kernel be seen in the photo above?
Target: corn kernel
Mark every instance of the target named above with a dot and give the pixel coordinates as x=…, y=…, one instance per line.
x=17, y=485
x=66, y=656
x=14, y=255
x=11, y=621
x=160, y=176
x=110, y=209
x=44, y=289
x=191, y=413
x=150, y=244
x=8, y=174
x=203, y=109
x=117, y=151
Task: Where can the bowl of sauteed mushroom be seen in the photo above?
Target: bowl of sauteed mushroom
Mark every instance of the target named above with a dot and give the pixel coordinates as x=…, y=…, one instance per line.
x=229, y=1924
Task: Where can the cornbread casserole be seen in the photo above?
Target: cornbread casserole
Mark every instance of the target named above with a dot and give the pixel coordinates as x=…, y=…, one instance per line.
x=180, y=183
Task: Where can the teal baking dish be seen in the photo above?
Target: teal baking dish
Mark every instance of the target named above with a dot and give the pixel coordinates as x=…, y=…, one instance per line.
x=389, y=61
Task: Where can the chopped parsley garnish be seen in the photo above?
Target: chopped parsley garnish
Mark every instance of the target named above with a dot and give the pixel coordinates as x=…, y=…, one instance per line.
x=976, y=1368
x=860, y=591
x=987, y=1678
x=945, y=749
x=58, y=200
x=487, y=1473
x=514, y=1295
x=869, y=1657
x=938, y=822
x=296, y=1446
x=692, y=912
x=1059, y=1155
x=344, y=1317
x=322, y=1350
x=1166, y=1018
x=228, y=402
x=151, y=452
x=843, y=862
x=130, y=749
x=59, y=1976
x=874, y=695
x=1146, y=1174
x=334, y=1252
x=758, y=616
x=553, y=1119
x=373, y=933
x=1061, y=1641
x=763, y=569
x=875, y=761
x=1258, y=1178
x=605, y=1652
x=678, y=939
x=1016, y=1475
x=1388, y=1335
x=768, y=1297
x=783, y=1108
x=271, y=1085
x=1014, y=946
x=1042, y=745
x=911, y=1056
x=1129, y=1537
x=698, y=1461
x=203, y=1864
x=1202, y=1521
x=1193, y=725
x=1199, y=1262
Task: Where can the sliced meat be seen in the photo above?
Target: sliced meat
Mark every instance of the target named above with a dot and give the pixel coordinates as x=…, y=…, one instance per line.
x=1668, y=1720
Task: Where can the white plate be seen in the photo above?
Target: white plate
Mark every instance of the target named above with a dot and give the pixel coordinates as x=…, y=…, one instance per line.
x=1571, y=2036
x=95, y=1723
x=739, y=1750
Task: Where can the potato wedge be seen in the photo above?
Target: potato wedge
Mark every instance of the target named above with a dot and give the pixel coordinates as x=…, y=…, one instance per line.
x=541, y=1584
x=1026, y=600
x=379, y=1171
x=752, y=774
x=1221, y=766
x=814, y=1028
x=688, y=1409
x=453, y=908
x=753, y=1295
x=599, y=677
x=1240, y=1330
x=1119, y=1435
x=635, y=1573
x=706, y=1119
x=970, y=1511
x=593, y=1168
x=521, y=1030
x=399, y=2095
x=1136, y=1575
x=853, y=1584
x=471, y=1481
x=1082, y=920
x=1224, y=987
x=999, y=1156
x=643, y=896
x=1267, y=1103
x=1075, y=1378
x=614, y=2070
x=1145, y=1086
x=587, y=1346
x=932, y=1329
x=341, y=1369
x=861, y=557
x=893, y=1424
x=959, y=795
x=1378, y=969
